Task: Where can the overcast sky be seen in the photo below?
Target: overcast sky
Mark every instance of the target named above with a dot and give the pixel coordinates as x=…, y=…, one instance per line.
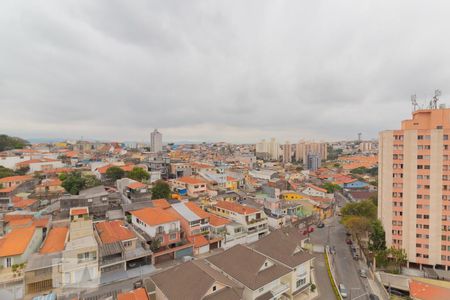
x=235, y=71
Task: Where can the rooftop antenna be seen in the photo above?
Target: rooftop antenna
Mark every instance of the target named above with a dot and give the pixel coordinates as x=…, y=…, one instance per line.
x=437, y=94
x=414, y=102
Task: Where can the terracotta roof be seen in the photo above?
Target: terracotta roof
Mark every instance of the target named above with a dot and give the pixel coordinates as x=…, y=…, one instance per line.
x=19, y=202
x=16, y=241
x=316, y=187
x=55, y=240
x=16, y=178
x=190, y=180
x=58, y=170
x=161, y=203
x=113, y=231
x=198, y=240
x=79, y=211
x=8, y=189
x=427, y=290
x=217, y=221
x=41, y=222
x=197, y=210
x=33, y=161
x=137, y=294
x=229, y=178
x=126, y=168
x=155, y=216
x=136, y=185
x=235, y=207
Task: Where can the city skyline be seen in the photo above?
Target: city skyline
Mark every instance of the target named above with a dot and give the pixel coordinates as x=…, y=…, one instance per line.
x=228, y=72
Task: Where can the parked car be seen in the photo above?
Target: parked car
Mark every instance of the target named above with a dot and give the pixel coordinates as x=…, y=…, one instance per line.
x=343, y=290
x=349, y=242
x=363, y=273
x=321, y=225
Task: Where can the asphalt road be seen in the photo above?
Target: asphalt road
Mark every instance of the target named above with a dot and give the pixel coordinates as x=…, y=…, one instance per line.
x=347, y=269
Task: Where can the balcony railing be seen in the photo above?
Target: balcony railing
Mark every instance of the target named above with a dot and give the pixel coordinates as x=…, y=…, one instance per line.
x=279, y=289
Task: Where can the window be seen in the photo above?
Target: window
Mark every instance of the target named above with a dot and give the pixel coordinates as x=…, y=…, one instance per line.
x=301, y=282
x=173, y=236
x=445, y=137
x=214, y=288
x=127, y=244
x=8, y=262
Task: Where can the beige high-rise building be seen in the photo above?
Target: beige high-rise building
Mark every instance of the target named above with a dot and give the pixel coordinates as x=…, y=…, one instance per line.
x=287, y=152
x=414, y=187
x=304, y=148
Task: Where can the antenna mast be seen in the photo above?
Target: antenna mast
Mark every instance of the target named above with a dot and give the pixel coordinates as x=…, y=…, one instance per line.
x=414, y=102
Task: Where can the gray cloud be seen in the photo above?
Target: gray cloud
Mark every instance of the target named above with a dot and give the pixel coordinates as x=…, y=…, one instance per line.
x=217, y=70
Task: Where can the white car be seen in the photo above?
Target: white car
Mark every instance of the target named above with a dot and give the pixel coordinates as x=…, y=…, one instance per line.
x=342, y=290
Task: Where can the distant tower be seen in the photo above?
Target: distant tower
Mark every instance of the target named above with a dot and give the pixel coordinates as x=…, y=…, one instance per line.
x=156, y=141
x=359, y=137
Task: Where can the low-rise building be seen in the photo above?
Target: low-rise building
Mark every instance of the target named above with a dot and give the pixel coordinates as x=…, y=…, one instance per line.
x=193, y=186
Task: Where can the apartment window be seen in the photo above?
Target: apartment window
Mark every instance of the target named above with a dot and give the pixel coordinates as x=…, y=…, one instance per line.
x=426, y=167
x=426, y=216
x=445, y=137
x=419, y=156
x=301, y=282
x=418, y=216
x=427, y=147
x=418, y=245
x=419, y=167
x=398, y=137
x=419, y=147
x=420, y=137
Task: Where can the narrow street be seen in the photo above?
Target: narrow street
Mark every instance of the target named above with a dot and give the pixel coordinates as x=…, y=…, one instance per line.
x=347, y=269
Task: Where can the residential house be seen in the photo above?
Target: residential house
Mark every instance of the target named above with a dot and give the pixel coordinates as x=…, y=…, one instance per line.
x=195, y=280
x=137, y=294
x=254, y=220
x=313, y=190
x=287, y=247
x=161, y=228
x=260, y=276
x=192, y=186
x=40, y=164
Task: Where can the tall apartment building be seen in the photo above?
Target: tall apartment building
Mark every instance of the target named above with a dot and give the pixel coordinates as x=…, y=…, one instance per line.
x=414, y=187
x=313, y=162
x=156, y=141
x=287, y=152
x=304, y=148
x=269, y=150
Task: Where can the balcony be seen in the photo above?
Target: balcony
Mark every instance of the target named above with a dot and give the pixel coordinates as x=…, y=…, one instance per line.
x=279, y=289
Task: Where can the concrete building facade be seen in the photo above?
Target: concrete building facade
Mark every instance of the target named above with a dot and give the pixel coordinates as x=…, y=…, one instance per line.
x=414, y=187
x=156, y=141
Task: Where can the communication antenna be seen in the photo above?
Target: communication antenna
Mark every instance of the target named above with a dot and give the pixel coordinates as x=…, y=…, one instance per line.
x=414, y=102
x=437, y=94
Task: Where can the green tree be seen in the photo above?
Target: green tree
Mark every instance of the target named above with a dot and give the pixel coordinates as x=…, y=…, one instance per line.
x=377, y=241
x=398, y=257
x=91, y=181
x=360, y=171
x=364, y=208
x=138, y=174
x=23, y=170
x=115, y=173
x=160, y=190
x=5, y=172
x=357, y=225
x=331, y=187
x=9, y=142
x=73, y=183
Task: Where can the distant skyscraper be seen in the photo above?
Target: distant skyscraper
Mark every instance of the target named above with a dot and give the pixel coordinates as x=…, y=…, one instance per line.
x=313, y=161
x=304, y=148
x=156, y=141
x=287, y=152
x=268, y=149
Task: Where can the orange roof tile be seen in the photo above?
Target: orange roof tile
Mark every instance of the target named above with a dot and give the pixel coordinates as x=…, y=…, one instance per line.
x=41, y=222
x=238, y=208
x=79, y=211
x=55, y=240
x=190, y=180
x=19, y=202
x=217, y=221
x=198, y=241
x=427, y=291
x=136, y=185
x=137, y=294
x=8, y=190
x=113, y=231
x=161, y=203
x=197, y=210
x=316, y=187
x=16, y=241
x=16, y=178
x=155, y=216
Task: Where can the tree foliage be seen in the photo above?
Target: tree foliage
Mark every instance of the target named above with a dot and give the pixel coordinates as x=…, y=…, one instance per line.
x=115, y=173
x=331, y=187
x=377, y=240
x=9, y=142
x=138, y=174
x=362, y=209
x=160, y=190
x=74, y=182
x=5, y=172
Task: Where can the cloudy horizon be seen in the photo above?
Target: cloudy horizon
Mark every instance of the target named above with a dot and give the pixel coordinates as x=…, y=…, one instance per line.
x=229, y=71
